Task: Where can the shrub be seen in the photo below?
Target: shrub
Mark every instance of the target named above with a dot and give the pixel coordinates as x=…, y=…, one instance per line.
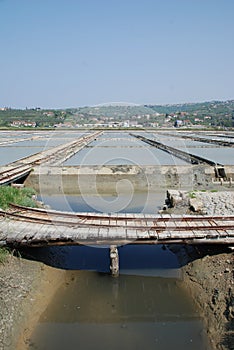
x=20, y=196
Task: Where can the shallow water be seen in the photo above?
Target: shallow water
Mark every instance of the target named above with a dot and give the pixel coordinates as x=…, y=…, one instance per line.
x=132, y=202
x=146, y=307
x=96, y=311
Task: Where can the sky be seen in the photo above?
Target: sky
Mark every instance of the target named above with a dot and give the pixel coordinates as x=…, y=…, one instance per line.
x=71, y=53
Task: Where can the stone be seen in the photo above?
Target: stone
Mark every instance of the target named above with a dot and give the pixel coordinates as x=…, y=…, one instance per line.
x=196, y=204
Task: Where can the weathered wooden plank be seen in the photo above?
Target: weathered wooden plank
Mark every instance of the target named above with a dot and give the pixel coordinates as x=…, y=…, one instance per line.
x=164, y=235
x=148, y=223
x=104, y=233
x=131, y=234
x=170, y=224
x=224, y=222
x=230, y=233
x=4, y=229
x=144, y=234
x=153, y=234
x=199, y=234
x=212, y=223
x=183, y=235
x=212, y=234
x=181, y=223
x=119, y=232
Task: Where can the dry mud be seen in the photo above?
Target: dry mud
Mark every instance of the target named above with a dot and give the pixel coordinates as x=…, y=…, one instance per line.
x=26, y=287
x=208, y=275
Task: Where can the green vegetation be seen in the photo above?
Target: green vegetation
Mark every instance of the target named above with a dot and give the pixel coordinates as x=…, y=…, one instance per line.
x=214, y=114
x=3, y=255
x=20, y=196
x=192, y=194
x=29, y=118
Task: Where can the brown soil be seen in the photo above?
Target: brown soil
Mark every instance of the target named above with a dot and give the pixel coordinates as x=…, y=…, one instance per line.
x=208, y=275
x=25, y=290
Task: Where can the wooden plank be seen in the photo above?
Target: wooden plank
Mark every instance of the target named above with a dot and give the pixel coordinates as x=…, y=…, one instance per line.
x=16, y=234
x=212, y=223
x=182, y=235
x=199, y=233
x=4, y=229
x=212, y=234
x=170, y=224
x=85, y=233
x=144, y=234
x=230, y=233
x=222, y=233
x=105, y=222
x=150, y=224
x=164, y=235
x=93, y=233
x=131, y=234
x=104, y=233
x=113, y=232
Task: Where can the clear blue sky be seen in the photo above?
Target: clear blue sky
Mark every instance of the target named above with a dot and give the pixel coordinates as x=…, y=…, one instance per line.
x=69, y=53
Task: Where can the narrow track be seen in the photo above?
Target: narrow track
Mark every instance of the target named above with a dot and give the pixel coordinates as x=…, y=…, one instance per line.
x=186, y=156
x=13, y=174
x=56, y=155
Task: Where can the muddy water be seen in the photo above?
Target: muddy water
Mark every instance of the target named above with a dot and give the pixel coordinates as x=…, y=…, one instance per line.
x=95, y=311
x=146, y=307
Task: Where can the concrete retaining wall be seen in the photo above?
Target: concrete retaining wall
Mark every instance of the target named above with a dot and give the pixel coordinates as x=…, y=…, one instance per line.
x=110, y=179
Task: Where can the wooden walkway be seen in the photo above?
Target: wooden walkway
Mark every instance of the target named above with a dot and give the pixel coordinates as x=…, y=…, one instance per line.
x=52, y=156
x=22, y=226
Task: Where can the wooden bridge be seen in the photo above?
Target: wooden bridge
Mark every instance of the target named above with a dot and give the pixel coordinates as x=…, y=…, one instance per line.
x=21, y=226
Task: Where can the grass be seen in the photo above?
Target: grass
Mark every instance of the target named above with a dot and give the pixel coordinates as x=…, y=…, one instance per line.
x=3, y=255
x=192, y=194
x=20, y=196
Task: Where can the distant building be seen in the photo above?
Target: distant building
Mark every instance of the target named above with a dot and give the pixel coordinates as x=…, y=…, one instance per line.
x=23, y=123
x=178, y=123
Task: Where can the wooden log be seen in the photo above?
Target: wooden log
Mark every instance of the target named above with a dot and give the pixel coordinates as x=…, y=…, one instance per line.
x=114, y=258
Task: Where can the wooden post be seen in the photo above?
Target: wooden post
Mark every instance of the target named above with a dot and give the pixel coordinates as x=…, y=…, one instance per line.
x=114, y=259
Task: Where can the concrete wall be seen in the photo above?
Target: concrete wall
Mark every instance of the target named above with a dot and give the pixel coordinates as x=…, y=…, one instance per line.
x=110, y=179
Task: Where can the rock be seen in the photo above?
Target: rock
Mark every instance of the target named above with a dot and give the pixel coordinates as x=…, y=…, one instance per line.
x=175, y=198
x=227, y=270
x=196, y=205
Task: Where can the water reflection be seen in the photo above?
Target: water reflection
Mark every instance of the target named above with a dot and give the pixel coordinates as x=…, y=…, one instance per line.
x=93, y=311
x=145, y=202
x=150, y=260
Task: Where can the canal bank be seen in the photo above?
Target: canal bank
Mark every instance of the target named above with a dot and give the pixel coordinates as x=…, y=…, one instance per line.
x=208, y=276
x=27, y=288
x=111, y=178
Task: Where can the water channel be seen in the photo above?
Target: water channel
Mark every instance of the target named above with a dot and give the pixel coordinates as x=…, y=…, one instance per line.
x=147, y=306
